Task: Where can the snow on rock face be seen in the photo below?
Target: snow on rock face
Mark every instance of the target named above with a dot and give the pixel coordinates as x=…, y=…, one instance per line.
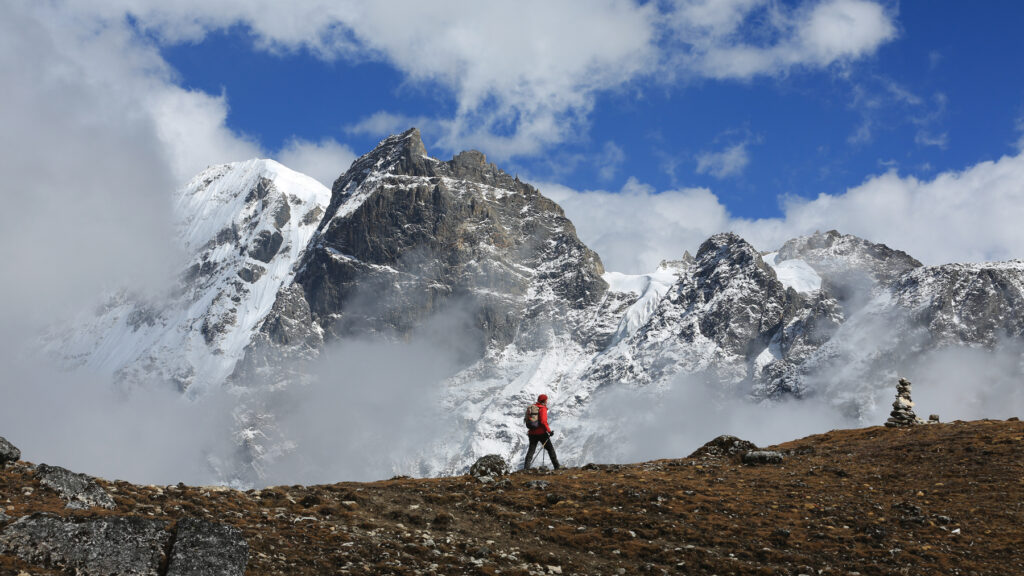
x=242, y=226
x=794, y=273
x=650, y=289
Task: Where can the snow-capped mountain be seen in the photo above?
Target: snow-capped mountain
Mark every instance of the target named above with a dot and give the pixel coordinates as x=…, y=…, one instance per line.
x=278, y=275
x=242, y=228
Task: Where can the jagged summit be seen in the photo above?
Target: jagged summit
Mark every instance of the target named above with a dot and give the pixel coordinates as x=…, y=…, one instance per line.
x=405, y=155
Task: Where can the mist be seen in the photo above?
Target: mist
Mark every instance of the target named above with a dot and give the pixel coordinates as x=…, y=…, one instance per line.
x=370, y=410
x=649, y=425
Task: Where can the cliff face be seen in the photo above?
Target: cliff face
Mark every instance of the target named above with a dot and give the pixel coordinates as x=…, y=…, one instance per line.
x=407, y=236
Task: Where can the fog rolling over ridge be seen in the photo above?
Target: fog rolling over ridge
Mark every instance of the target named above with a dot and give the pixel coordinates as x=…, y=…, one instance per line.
x=399, y=323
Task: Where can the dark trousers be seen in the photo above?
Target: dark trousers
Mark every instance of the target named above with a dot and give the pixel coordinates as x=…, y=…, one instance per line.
x=544, y=439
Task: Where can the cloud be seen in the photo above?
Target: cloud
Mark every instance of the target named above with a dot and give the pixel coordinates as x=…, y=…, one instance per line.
x=324, y=160
x=925, y=138
x=635, y=228
x=610, y=160
x=1020, y=129
x=644, y=425
x=728, y=162
x=971, y=215
x=812, y=36
x=87, y=180
x=382, y=124
x=518, y=93
x=96, y=136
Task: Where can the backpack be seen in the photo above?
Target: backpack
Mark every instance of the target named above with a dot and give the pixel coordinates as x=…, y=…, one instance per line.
x=532, y=418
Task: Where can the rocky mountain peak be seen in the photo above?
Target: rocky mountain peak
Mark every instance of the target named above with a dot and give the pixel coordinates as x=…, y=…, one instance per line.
x=725, y=257
x=844, y=260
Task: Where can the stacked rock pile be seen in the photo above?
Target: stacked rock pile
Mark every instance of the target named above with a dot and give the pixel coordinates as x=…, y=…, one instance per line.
x=903, y=408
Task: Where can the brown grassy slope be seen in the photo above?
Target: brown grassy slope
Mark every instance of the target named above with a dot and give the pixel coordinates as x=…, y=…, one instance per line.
x=935, y=499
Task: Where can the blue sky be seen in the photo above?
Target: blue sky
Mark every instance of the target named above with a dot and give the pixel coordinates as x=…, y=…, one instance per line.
x=940, y=95
x=654, y=124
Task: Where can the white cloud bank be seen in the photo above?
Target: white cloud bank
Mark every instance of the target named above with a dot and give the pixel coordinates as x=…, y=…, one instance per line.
x=972, y=215
x=524, y=75
x=324, y=160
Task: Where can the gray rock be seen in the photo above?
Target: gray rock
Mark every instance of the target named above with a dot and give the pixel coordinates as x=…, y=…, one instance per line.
x=4, y=518
x=724, y=445
x=490, y=465
x=203, y=548
x=80, y=490
x=126, y=546
x=8, y=452
x=757, y=457
x=266, y=245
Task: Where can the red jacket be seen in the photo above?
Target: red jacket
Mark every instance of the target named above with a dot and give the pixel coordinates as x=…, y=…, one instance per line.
x=543, y=428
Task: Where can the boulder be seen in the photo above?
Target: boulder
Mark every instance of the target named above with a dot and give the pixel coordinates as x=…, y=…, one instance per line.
x=756, y=457
x=724, y=445
x=490, y=465
x=127, y=546
x=8, y=453
x=80, y=490
x=204, y=548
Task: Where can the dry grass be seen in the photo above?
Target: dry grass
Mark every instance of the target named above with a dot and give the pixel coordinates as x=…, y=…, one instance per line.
x=936, y=499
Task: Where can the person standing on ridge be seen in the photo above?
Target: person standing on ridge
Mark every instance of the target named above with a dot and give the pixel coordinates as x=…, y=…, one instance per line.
x=539, y=432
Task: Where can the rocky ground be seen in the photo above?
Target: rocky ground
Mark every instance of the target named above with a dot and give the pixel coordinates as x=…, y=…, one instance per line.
x=925, y=499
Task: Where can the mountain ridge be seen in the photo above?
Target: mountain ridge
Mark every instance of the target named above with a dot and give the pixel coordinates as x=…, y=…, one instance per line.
x=406, y=239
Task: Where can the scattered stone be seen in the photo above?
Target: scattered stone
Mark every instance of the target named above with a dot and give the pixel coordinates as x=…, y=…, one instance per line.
x=490, y=465
x=538, y=484
x=902, y=414
x=205, y=548
x=933, y=418
x=724, y=445
x=80, y=490
x=127, y=546
x=756, y=457
x=553, y=498
x=779, y=536
x=8, y=452
x=4, y=518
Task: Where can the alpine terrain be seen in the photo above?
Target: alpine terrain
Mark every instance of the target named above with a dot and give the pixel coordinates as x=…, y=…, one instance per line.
x=280, y=272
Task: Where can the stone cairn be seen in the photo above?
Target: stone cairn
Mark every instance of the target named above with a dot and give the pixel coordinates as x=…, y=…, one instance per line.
x=903, y=408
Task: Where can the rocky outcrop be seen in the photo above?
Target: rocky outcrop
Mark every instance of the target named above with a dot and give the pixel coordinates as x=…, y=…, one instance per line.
x=724, y=445
x=204, y=548
x=761, y=457
x=8, y=452
x=79, y=490
x=127, y=546
x=965, y=303
x=490, y=465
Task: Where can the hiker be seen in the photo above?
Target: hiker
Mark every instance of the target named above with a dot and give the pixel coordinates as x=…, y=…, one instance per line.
x=539, y=431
